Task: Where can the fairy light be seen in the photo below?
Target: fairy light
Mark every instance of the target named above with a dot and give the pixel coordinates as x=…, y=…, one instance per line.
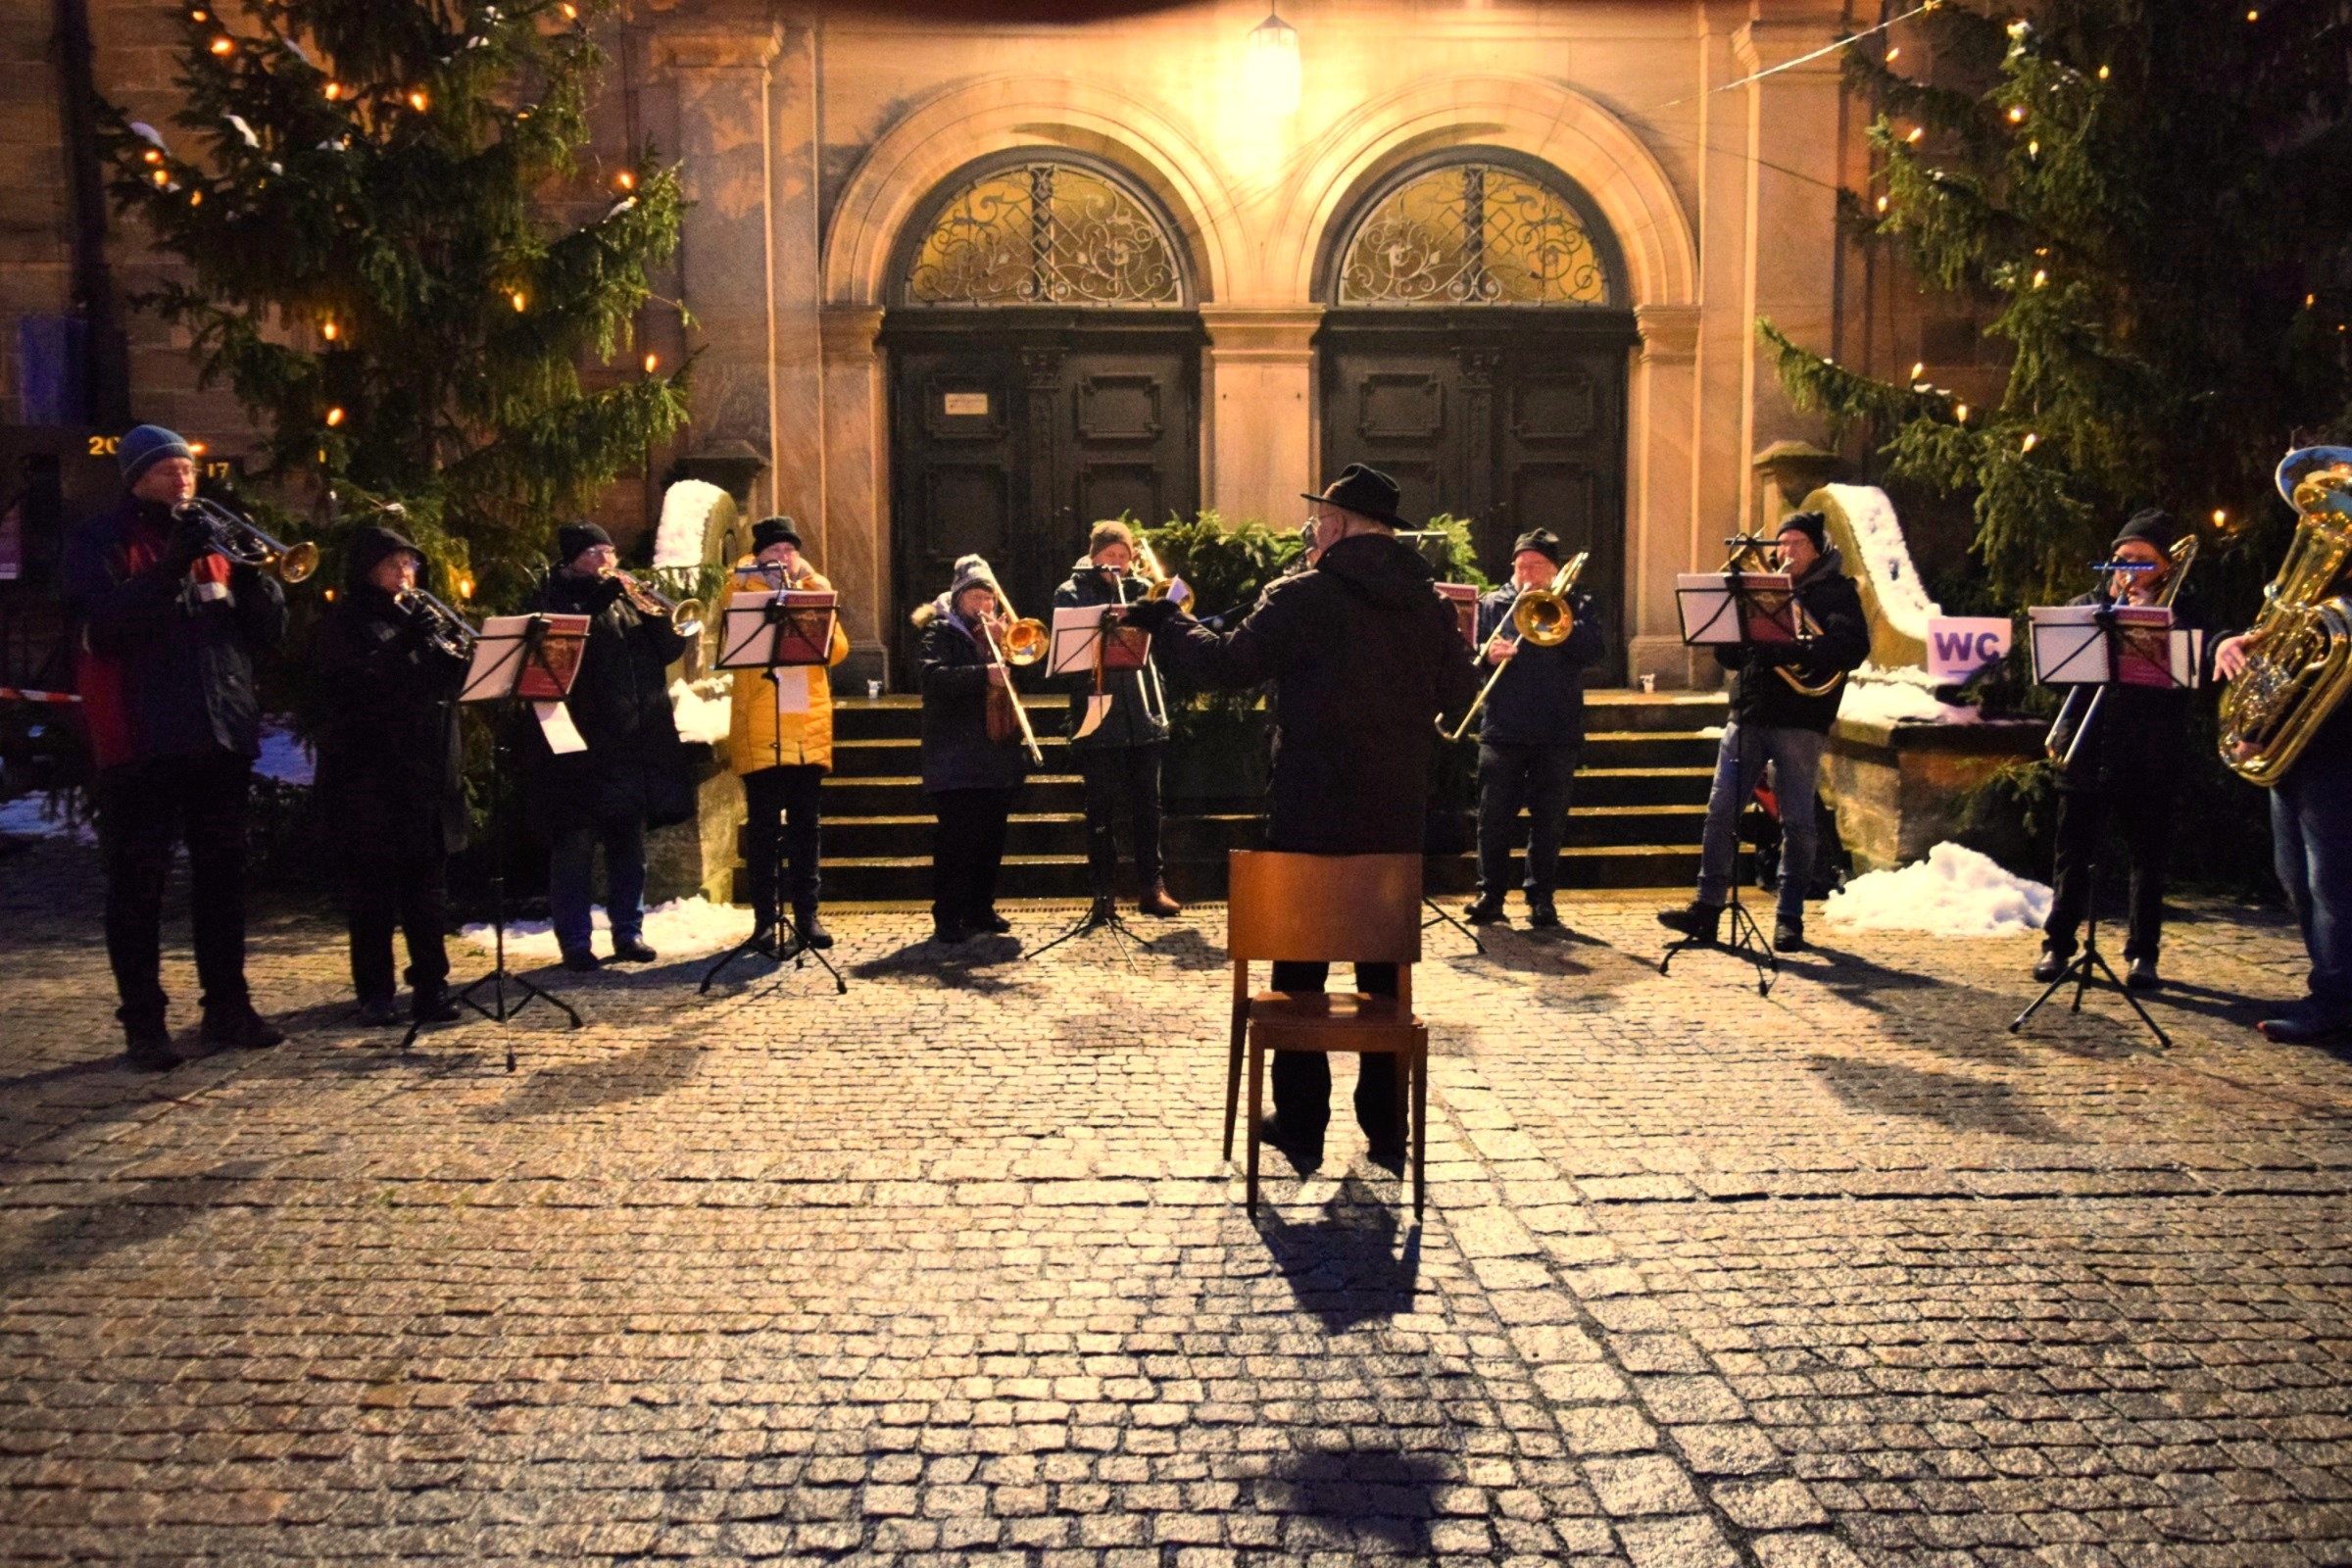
x=2034, y=147
x=626, y=180
x=572, y=13
x=418, y=99
x=2221, y=518
x=152, y=156
x=163, y=177
x=1881, y=204
x=199, y=448
x=223, y=45
x=330, y=593
x=521, y=302
x=1916, y=132
x=335, y=90
x=334, y=416
x=2103, y=73
x=2309, y=300
x=466, y=586
x=195, y=198
x=200, y=16
x=329, y=331
x=1894, y=54
x=1960, y=412
x=2041, y=277
x=652, y=363
x=2030, y=442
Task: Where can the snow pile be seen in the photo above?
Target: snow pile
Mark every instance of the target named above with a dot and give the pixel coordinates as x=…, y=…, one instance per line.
x=284, y=758
x=1954, y=892
x=686, y=523
x=36, y=817
x=1878, y=696
x=705, y=709
x=1886, y=557
x=683, y=928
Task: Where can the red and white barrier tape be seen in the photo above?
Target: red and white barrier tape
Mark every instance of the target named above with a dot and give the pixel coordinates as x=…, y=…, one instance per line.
x=21, y=695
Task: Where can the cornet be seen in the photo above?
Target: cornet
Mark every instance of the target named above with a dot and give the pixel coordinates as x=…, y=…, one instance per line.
x=1542, y=616
x=440, y=625
x=236, y=537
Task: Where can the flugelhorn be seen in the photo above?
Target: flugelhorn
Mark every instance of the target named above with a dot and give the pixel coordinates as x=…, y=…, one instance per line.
x=1542, y=616
x=440, y=625
x=235, y=536
x=2299, y=651
x=685, y=615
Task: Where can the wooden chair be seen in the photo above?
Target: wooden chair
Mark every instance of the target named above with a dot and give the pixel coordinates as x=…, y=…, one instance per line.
x=1332, y=909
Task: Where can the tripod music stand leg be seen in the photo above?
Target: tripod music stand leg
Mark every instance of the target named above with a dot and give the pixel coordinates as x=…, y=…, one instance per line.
x=1436, y=909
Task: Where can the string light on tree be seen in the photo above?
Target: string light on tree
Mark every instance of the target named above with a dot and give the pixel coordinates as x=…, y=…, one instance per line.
x=334, y=416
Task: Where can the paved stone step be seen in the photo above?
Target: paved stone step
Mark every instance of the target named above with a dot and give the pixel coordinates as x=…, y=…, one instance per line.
x=858, y=717
x=898, y=756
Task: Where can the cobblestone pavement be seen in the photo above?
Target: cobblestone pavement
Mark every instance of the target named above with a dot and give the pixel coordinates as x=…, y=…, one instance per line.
x=947, y=1268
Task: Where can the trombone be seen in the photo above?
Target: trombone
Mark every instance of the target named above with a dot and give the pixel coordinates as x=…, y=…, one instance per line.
x=236, y=537
x=1156, y=585
x=441, y=626
x=685, y=615
x=1037, y=757
x=1025, y=637
x=2076, y=714
x=1542, y=616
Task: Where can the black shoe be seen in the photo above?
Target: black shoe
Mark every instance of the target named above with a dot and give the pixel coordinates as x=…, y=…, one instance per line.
x=1788, y=936
x=2302, y=1028
x=1700, y=921
x=581, y=961
x=991, y=920
x=810, y=929
x=2052, y=964
x=1543, y=918
x=2141, y=976
x=147, y=1048
x=763, y=938
x=1304, y=1153
x=954, y=933
x=631, y=949
x=1483, y=912
x=240, y=1028
x=379, y=1012
x=432, y=1004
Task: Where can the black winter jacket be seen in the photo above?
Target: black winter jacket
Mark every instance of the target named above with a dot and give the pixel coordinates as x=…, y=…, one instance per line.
x=1760, y=696
x=1363, y=654
x=952, y=669
x=163, y=672
x=388, y=747
x=1130, y=721
x=1539, y=699
x=634, y=766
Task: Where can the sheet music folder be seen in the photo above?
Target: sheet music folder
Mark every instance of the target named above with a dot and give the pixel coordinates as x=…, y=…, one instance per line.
x=1722, y=609
x=2124, y=645
x=501, y=670
x=1078, y=628
x=764, y=629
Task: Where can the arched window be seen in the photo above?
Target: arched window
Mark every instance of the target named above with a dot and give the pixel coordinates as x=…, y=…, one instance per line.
x=1479, y=232
x=1045, y=233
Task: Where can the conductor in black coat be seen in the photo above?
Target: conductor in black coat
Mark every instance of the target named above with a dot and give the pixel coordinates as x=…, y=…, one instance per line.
x=388, y=772
x=633, y=774
x=1363, y=654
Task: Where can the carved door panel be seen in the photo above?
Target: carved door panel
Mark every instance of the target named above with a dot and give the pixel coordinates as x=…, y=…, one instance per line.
x=1010, y=441
x=1512, y=424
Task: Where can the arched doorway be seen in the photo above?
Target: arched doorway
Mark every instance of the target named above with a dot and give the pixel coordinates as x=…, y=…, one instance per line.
x=1044, y=355
x=1476, y=347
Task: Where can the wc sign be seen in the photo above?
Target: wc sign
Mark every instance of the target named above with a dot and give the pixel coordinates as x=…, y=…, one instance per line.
x=1958, y=645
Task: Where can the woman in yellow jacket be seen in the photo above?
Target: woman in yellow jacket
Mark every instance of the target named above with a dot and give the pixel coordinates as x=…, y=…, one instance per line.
x=782, y=747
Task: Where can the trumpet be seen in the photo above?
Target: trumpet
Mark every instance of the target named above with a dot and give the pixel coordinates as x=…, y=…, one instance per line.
x=235, y=536
x=441, y=626
x=685, y=615
x=1542, y=616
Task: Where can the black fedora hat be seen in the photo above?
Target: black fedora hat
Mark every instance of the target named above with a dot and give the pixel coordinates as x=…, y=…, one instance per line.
x=1366, y=492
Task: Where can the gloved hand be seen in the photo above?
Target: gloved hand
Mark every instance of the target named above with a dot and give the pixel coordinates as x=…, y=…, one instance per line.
x=192, y=538
x=1152, y=616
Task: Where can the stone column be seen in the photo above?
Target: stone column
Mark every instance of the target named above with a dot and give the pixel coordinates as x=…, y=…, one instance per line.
x=1258, y=437
x=856, y=534
x=725, y=252
x=797, y=478
x=1792, y=247
x=1662, y=442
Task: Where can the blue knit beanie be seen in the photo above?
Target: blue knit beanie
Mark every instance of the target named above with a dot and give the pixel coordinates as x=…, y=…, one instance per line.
x=144, y=447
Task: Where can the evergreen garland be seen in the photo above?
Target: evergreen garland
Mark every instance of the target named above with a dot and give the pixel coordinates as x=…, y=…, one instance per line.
x=361, y=204
x=2152, y=197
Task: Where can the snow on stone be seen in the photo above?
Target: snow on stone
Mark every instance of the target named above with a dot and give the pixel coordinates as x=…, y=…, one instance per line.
x=683, y=928
x=1875, y=695
x=37, y=816
x=1886, y=557
x=705, y=709
x=685, y=522
x=284, y=758
x=1954, y=892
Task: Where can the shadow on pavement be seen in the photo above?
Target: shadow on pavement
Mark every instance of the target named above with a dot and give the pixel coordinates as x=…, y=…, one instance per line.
x=1954, y=1100
x=83, y=1235
x=1367, y=1500
x=1346, y=1267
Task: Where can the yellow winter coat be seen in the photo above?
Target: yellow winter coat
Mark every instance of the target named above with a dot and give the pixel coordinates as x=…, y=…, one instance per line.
x=808, y=737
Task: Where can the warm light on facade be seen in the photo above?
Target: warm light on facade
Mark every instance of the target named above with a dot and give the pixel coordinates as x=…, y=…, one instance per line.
x=1272, y=71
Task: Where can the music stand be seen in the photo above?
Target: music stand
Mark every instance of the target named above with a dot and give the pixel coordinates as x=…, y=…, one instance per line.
x=1086, y=641
x=788, y=629
x=1742, y=609
x=516, y=659
x=2103, y=646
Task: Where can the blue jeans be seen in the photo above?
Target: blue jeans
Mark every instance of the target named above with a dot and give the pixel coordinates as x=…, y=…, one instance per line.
x=1796, y=758
x=2311, y=842
x=570, y=880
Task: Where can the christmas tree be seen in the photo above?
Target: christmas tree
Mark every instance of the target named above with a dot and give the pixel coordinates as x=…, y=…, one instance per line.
x=2151, y=201
x=360, y=191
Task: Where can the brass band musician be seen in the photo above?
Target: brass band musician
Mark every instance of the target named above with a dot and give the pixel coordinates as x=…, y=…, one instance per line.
x=973, y=757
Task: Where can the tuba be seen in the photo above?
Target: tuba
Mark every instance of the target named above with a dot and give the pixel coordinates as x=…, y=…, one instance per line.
x=2299, y=651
